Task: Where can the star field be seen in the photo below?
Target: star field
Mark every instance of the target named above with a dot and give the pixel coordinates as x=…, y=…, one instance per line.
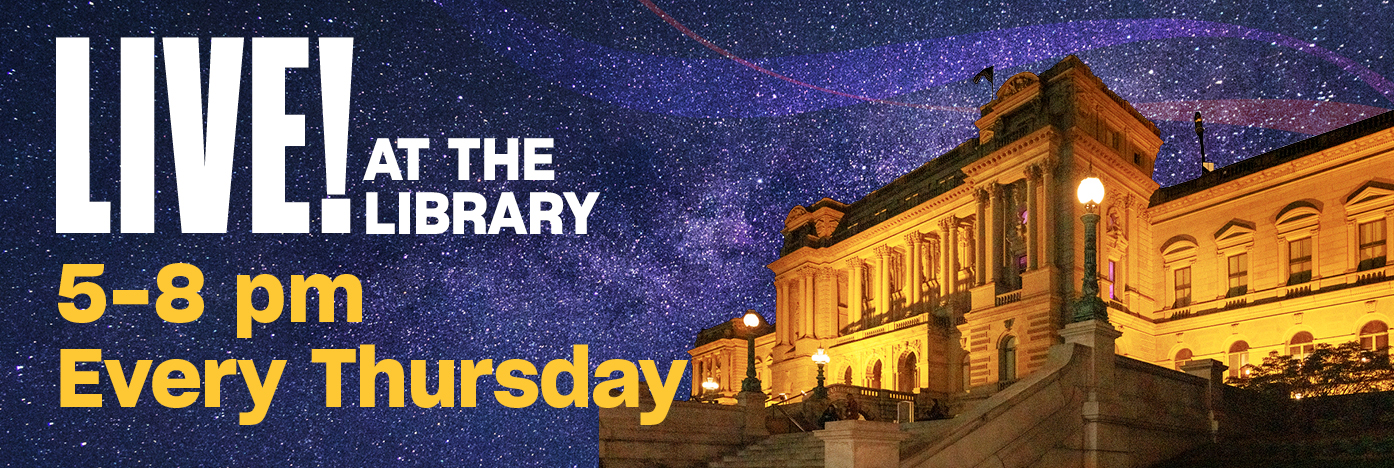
x=697, y=158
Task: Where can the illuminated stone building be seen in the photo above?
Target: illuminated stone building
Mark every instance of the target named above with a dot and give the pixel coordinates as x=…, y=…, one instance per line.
x=957, y=277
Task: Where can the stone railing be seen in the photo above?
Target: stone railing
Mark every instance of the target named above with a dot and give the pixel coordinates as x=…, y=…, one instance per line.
x=1278, y=293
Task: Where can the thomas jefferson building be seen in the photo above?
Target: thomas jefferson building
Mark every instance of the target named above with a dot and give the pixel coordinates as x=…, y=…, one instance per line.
x=958, y=276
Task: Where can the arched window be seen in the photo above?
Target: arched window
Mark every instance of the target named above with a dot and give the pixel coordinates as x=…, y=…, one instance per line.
x=1301, y=345
x=908, y=373
x=1182, y=357
x=1374, y=335
x=847, y=376
x=1238, y=358
x=967, y=373
x=1007, y=362
x=873, y=378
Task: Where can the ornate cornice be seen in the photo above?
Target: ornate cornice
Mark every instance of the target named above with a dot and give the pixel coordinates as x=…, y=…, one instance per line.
x=991, y=161
x=1226, y=190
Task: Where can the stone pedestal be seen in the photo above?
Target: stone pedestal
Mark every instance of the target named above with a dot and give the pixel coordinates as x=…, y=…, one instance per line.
x=1099, y=335
x=983, y=297
x=1103, y=439
x=861, y=444
x=1214, y=372
x=754, y=405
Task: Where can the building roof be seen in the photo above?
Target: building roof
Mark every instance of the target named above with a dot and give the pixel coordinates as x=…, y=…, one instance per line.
x=733, y=328
x=935, y=177
x=1273, y=158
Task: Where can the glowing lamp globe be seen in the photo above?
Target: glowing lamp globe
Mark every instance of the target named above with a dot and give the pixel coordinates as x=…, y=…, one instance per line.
x=751, y=320
x=1091, y=191
x=709, y=385
x=820, y=357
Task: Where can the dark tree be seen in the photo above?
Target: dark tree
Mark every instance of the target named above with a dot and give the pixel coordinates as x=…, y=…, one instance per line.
x=1328, y=370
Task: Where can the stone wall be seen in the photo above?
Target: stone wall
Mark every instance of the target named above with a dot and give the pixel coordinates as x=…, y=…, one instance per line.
x=1082, y=409
x=692, y=435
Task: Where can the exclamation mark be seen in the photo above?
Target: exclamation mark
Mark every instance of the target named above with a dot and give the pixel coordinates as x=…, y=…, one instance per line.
x=336, y=76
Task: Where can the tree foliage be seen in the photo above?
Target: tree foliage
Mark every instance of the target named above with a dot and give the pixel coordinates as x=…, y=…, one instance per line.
x=1328, y=370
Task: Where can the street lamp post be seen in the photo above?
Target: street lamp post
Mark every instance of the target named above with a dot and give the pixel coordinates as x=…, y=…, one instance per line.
x=751, y=382
x=820, y=358
x=1090, y=307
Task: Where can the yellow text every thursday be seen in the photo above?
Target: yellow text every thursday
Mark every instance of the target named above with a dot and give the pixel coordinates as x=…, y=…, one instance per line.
x=175, y=382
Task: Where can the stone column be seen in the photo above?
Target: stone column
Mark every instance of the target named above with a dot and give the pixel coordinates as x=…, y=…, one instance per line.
x=1352, y=240
x=948, y=245
x=1033, y=216
x=915, y=275
x=1316, y=249
x=1127, y=262
x=883, y=280
x=781, y=311
x=854, y=289
x=806, y=324
x=995, y=234
x=825, y=326
x=861, y=444
x=978, y=246
x=1049, y=234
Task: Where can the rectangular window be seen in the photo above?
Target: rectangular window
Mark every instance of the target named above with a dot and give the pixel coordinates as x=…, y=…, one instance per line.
x=1371, y=245
x=1299, y=261
x=1238, y=275
x=1183, y=287
x=1112, y=279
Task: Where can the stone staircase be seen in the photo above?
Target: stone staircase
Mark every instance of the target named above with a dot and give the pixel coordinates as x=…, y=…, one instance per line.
x=796, y=450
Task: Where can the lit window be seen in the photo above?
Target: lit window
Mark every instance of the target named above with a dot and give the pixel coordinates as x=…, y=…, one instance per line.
x=1301, y=345
x=1183, y=287
x=1371, y=245
x=1299, y=261
x=1007, y=366
x=1238, y=358
x=1374, y=336
x=1182, y=357
x=1112, y=279
x=1238, y=275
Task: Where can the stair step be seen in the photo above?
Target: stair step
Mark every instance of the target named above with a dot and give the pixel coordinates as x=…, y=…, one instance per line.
x=798, y=450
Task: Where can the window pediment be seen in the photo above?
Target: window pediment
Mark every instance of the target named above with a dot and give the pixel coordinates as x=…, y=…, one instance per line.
x=1179, y=248
x=1371, y=196
x=1301, y=215
x=1235, y=233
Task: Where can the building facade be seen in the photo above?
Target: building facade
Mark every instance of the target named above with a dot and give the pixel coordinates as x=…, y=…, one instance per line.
x=958, y=276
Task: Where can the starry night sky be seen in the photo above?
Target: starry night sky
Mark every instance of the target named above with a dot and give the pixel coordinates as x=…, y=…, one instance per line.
x=698, y=156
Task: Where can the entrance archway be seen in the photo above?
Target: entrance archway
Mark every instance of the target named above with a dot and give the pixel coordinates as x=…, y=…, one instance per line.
x=907, y=373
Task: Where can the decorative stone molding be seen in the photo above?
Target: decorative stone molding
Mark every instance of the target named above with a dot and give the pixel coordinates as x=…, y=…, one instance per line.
x=1033, y=172
x=825, y=225
x=1016, y=84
